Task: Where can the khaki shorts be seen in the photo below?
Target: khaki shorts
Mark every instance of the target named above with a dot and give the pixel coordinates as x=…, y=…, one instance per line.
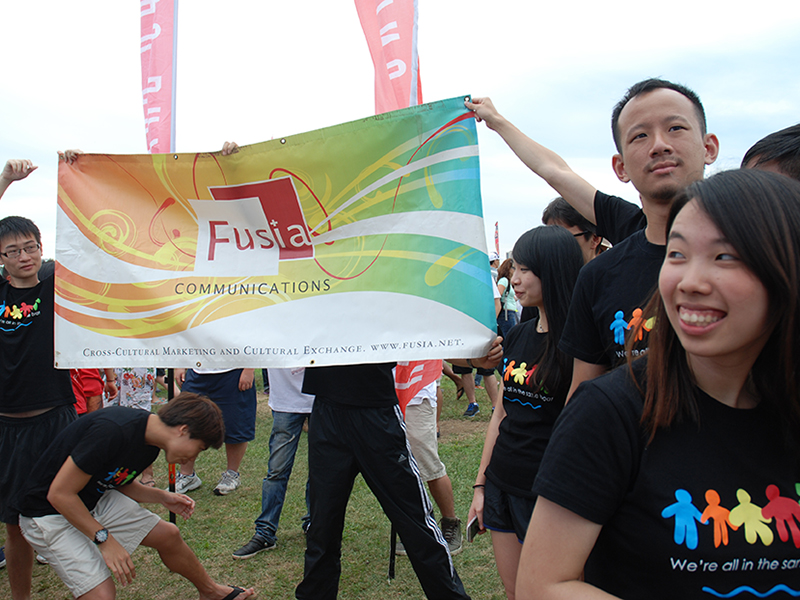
x=421, y=433
x=75, y=558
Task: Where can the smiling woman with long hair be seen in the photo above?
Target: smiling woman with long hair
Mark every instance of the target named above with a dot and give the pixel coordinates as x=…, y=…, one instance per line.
x=677, y=477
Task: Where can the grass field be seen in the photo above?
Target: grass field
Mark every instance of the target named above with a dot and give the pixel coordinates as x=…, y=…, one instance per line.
x=221, y=524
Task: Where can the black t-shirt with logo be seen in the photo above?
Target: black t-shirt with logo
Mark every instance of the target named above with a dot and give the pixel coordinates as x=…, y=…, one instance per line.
x=107, y=444
x=706, y=510
x=28, y=380
x=607, y=303
x=531, y=412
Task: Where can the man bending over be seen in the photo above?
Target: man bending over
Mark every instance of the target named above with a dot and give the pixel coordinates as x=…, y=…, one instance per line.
x=80, y=507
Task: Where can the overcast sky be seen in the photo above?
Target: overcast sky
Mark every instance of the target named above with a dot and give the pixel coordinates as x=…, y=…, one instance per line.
x=252, y=70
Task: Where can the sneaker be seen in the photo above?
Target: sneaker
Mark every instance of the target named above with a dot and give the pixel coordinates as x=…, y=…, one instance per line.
x=186, y=483
x=227, y=483
x=451, y=529
x=472, y=409
x=42, y=560
x=253, y=547
x=399, y=549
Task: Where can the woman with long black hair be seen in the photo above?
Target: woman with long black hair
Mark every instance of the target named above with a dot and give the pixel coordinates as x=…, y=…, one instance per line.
x=535, y=382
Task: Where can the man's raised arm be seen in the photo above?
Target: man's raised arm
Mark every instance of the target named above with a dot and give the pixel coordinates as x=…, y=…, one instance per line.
x=544, y=162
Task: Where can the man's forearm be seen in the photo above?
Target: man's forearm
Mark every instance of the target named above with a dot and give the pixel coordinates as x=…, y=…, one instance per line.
x=144, y=493
x=72, y=508
x=4, y=183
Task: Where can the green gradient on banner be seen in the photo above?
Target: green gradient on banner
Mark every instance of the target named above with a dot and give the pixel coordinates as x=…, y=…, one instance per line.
x=439, y=270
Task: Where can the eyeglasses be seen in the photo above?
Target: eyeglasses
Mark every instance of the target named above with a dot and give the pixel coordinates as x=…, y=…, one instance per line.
x=29, y=250
x=580, y=233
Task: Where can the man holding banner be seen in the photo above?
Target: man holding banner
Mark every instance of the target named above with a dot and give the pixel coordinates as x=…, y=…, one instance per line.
x=36, y=400
x=357, y=427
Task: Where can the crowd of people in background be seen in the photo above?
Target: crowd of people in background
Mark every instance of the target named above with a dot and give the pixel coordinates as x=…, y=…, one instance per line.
x=646, y=417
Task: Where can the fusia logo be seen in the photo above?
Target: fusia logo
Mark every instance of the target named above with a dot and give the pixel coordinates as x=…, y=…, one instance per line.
x=248, y=228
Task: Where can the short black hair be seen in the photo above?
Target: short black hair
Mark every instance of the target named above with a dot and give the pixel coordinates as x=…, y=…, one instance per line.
x=562, y=211
x=782, y=147
x=14, y=227
x=650, y=85
x=201, y=415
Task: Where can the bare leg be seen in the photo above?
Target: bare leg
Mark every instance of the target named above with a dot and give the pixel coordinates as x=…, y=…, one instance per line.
x=179, y=558
x=439, y=402
x=105, y=591
x=19, y=557
x=442, y=492
x=448, y=372
x=94, y=403
x=507, y=550
x=235, y=454
x=187, y=468
x=469, y=387
x=492, y=388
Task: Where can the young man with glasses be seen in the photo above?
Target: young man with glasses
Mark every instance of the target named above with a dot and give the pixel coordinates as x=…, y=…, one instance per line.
x=36, y=400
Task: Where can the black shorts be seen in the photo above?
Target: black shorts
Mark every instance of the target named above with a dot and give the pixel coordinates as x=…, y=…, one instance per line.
x=22, y=442
x=505, y=512
x=466, y=370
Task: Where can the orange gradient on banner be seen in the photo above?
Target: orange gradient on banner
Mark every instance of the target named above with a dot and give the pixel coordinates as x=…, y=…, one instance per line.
x=142, y=218
x=155, y=309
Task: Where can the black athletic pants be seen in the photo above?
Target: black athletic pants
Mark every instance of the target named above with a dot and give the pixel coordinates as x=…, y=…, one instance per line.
x=345, y=441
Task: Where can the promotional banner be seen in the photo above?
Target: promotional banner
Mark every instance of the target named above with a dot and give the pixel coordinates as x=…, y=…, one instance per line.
x=363, y=242
x=158, y=48
x=390, y=27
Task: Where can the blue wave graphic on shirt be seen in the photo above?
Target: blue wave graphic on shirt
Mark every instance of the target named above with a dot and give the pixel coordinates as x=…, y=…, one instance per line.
x=748, y=589
x=17, y=327
x=518, y=401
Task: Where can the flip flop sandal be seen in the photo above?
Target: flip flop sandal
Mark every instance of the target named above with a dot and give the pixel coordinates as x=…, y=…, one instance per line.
x=235, y=592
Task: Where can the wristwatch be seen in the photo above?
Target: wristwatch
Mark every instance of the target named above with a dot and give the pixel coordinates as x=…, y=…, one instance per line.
x=101, y=536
